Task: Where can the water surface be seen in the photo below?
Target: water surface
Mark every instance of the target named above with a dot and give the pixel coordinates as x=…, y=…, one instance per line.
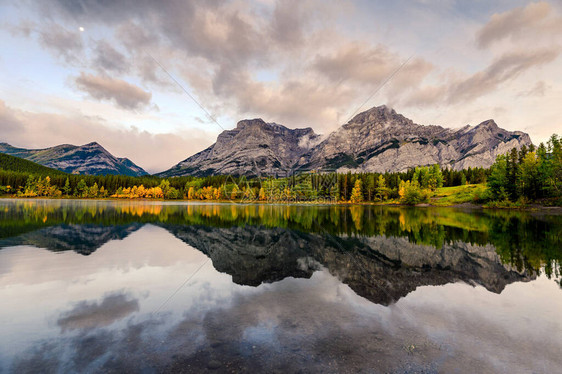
x=129, y=286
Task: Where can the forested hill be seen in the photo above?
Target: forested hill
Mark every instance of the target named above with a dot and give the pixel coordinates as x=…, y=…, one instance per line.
x=13, y=163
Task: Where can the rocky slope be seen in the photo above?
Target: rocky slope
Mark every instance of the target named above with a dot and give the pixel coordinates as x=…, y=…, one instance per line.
x=89, y=158
x=380, y=140
x=254, y=147
x=377, y=140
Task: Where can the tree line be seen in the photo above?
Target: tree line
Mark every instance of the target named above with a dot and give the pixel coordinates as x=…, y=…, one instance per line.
x=523, y=175
x=528, y=174
x=311, y=186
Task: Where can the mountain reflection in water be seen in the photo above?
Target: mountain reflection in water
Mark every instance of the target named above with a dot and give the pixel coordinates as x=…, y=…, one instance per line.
x=297, y=259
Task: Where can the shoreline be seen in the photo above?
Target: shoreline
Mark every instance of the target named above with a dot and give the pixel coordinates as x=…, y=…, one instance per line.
x=465, y=206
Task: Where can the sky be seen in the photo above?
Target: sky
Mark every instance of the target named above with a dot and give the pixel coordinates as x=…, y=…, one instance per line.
x=157, y=81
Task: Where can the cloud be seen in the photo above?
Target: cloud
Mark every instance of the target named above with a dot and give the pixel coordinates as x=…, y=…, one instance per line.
x=535, y=19
x=125, y=95
x=538, y=90
x=507, y=67
x=297, y=102
x=61, y=42
x=357, y=62
x=41, y=130
x=89, y=315
x=9, y=123
x=326, y=87
x=306, y=63
x=456, y=89
x=139, y=42
x=24, y=28
x=108, y=58
x=212, y=44
x=218, y=31
x=426, y=96
x=134, y=36
x=288, y=22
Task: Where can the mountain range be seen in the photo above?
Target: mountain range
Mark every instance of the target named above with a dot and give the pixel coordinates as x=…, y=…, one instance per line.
x=377, y=140
x=89, y=158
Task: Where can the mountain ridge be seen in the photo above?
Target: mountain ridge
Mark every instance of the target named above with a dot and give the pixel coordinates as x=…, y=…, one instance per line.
x=90, y=158
x=264, y=146
x=376, y=140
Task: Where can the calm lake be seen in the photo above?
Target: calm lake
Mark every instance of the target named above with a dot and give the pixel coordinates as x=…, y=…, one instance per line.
x=138, y=286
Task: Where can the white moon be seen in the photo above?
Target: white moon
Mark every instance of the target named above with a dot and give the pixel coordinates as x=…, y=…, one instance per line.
x=81, y=29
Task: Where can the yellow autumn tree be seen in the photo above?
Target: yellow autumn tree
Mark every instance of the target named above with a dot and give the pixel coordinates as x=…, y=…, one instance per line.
x=158, y=193
x=141, y=191
x=357, y=192
x=218, y=193
x=402, y=188
x=191, y=193
x=208, y=193
x=234, y=193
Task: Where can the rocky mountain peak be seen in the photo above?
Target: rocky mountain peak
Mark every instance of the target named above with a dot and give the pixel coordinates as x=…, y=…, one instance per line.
x=252, y=147
x=376, y=140
x=379, y=116
x=488, y=125
x=91, y=158
x=93, y=145
x=259, y=125
x=256, y=122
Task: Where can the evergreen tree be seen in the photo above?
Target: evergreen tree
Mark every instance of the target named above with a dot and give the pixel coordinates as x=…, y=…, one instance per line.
x=528, y=176
x=498, y=177
x=512, y=171
x=66, y=189
x=554, y=181
x=416, y=176
x=81, y=188
x=425, y=177
x=335, y=193
x=381, y=189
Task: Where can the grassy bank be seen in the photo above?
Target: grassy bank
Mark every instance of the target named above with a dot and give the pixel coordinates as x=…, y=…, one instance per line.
x=470, y=193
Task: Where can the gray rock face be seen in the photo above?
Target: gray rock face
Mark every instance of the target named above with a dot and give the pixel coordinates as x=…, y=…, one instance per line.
x=253, y=147
x=377, y=140
x=381, y=140
x=89, y=158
